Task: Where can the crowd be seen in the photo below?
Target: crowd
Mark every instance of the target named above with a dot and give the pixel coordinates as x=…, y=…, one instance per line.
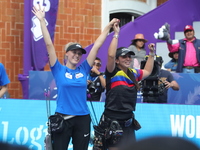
x=126, y=68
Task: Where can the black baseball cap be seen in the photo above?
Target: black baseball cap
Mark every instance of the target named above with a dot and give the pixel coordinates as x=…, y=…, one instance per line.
x=123, y=51
x=76, y=46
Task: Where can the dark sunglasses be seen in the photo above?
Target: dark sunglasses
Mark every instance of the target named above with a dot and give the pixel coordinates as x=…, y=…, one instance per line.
x=125, y=56
x=97, y=64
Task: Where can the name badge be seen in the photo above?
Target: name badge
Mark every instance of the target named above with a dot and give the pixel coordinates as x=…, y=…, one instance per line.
x=79, y=75
x=68, y=75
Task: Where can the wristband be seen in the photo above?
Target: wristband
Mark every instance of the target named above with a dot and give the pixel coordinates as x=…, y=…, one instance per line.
x=116, y=36
x=152, y=54
x=100, y=74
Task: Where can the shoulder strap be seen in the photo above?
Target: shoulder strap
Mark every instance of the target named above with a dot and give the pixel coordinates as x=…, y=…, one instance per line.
x=132, y=77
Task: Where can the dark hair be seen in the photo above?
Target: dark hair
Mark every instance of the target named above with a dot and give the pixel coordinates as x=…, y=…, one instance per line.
x=97, y=58
x=134, y=43
x=174, y=60
x=161, y=142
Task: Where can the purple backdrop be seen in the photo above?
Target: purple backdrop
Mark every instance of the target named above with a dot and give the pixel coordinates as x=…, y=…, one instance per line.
x=177, y=13
x=35, y=53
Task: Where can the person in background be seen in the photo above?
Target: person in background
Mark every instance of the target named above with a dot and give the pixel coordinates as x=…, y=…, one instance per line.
x=172, y=64
x=162, y=143
x=166, y=79
x=7, y=146
x=96, y=81
x=137, y=46
x=4, y=81
x=71, y=81
x=117, y=122
x=189, y=51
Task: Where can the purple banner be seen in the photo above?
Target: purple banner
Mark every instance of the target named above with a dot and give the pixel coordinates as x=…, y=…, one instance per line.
x=35, y=53
x=38, y=47
x=177, y=13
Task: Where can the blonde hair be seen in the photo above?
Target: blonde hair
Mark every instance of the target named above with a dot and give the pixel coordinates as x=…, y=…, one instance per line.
x=65, y=48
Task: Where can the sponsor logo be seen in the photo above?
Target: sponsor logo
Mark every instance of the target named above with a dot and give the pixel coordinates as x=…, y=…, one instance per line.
x=85, y=135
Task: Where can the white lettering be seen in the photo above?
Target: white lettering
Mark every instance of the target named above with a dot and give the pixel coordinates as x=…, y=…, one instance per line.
x=188, y=125
x=5, y=133
x=36, y=28
x=177, y=125
x=43, y=3
x=25, y=134
x=39, y=135
x=198, y=127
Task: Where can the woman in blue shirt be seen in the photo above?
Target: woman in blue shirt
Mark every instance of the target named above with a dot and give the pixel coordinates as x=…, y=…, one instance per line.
x=4, y=81
x=71, y=81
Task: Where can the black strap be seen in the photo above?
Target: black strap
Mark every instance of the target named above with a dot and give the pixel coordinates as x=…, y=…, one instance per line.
x=94, y=122
x=132, y=77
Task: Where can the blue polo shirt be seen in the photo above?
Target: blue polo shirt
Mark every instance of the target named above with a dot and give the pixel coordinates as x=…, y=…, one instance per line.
x=71, y=88
x=3, y=76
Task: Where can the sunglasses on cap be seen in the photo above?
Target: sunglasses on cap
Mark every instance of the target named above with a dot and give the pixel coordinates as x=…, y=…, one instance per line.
x=126, y=56
x=97, y=64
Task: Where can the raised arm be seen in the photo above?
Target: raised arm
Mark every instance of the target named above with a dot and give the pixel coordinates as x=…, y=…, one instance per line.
x=150, y=62
x=40, y=14
x=99, y=41
x=101, y=77
x=3, y=90
x=112, y=48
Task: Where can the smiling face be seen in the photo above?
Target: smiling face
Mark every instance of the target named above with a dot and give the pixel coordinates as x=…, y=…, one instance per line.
x=74, y=56
x=189, y=34
x=124, y=62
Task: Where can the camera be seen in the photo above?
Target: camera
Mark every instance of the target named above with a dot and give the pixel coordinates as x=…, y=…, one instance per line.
x=93, y=86
x=152, y=86
x=91, y=89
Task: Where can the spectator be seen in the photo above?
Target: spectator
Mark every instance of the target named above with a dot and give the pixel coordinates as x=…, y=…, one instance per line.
x=165, y=81
x=96, y=81
x=6, y=146
x=71, y=81
x=189, y=52
x=172, y=64
x=4, y=81
x=137, y=46
x=162, y=143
